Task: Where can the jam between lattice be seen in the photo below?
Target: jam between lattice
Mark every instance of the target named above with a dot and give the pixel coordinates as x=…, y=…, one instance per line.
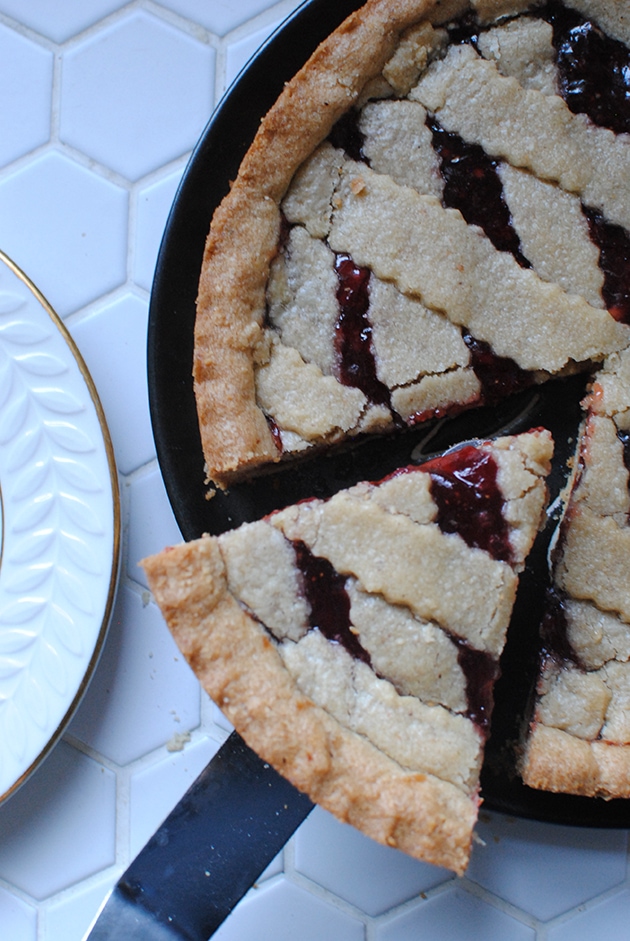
x=469, y=502
x=353, y=332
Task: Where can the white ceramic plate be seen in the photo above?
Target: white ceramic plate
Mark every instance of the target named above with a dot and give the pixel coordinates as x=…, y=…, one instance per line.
x=59, y=527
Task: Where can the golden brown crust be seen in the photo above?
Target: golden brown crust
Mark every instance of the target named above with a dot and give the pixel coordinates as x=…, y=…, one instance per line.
x=244, y=232
x=241, y=669
x=557, y=761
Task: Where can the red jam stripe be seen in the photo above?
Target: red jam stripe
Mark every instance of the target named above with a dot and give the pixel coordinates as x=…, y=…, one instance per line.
x=347, y=136
x=470, y=503
x=481, y=671
x=554, y=631
x=324, y=589
x=325, y=592
x=472, y=185
x=613, y=242
x=499, y=375
x=593, y=69
x=353, y=332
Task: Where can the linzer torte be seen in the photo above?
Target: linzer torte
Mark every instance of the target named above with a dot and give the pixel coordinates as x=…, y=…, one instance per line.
x=433, y=216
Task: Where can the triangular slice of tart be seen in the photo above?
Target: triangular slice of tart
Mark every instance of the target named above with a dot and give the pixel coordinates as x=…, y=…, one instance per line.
x=579, y=738
x=428, y=219
x=354, y=642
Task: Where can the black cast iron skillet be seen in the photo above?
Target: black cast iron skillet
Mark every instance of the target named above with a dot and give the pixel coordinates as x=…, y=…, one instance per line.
x=214, y=163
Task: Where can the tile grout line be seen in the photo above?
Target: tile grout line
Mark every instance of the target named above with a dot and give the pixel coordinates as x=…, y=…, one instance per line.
x=585, y=906
x=499, y=903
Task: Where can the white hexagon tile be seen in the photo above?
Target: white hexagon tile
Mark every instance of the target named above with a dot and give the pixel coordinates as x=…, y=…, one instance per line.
x=103, y=101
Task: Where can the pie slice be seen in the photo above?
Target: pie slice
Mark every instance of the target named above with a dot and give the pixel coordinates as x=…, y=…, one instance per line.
x=433, y=215
x=579, y=740
x=354, y=642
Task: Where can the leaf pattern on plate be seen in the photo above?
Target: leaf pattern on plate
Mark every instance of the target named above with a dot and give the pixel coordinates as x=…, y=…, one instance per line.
x=81, y=514
x=67, y=631
x=78, y=475
x=32, y=472
x=32, y=548
x=18, y=613
x=22, y=332
x=9, y=668
x=58, y=400
x=36, y=702
x=53, y=667
x=6, y=381
x=13, y=417
x=74, y=590
x=32, y=513
x=24, y=451
x=28, y=578
x=13, y=639
x=57, y=527
x=68, y=437
x=81, y=554
x=41, y=364
x=10, y=302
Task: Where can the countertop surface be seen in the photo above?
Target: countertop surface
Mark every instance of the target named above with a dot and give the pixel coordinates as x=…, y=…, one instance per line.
x=102, y=103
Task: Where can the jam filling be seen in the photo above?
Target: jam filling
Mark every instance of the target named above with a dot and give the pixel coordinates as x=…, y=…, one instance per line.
x=465, y=490
x=593, y=69
x=347, y=136
x=554, y=631
x=325, y=591
x=465, y=30
x=275, y=433
x=481, y=672
x=283, y=233
x=613, y=242
x=353, y=333
x=472, y=185
x=624, y=437
x=499, y=375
